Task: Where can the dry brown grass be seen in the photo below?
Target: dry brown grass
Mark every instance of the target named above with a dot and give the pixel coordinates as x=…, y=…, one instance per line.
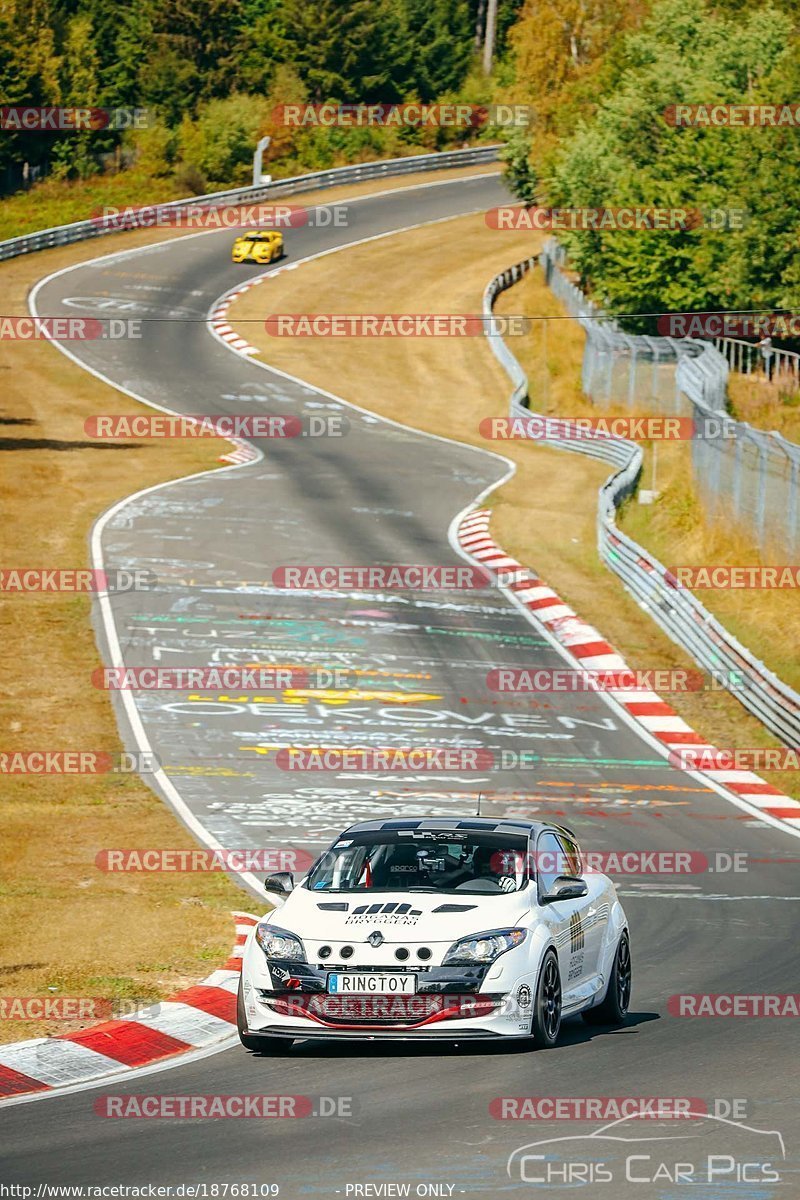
x=773, y=405
x=676, y=528
x=545, y=515
x=67, y=925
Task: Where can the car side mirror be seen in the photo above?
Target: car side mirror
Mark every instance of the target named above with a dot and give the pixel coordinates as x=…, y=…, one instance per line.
x=281, y=883
x=566, y=887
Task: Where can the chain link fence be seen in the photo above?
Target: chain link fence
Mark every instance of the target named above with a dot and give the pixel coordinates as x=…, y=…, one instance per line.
x=677, y=610
x=740, y=473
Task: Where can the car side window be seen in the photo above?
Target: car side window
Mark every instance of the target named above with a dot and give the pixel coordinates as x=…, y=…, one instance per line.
x=572, y=853
x=551, y=861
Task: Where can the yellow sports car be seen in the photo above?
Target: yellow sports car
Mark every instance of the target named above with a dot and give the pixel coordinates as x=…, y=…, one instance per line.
x=258, y=246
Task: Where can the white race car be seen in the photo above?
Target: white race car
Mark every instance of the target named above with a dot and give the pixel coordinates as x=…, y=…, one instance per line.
x=440, y=929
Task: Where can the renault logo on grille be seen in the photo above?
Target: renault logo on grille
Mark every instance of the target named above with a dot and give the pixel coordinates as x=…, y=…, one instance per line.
x=375, y=939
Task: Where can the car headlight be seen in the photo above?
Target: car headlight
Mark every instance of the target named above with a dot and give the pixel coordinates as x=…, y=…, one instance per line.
x=483, y=947
x=279, y=943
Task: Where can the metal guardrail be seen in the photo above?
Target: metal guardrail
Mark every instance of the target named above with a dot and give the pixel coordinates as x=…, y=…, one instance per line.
x=739, y=472
x=78, y=231
x=748, y=358
x=679, y=613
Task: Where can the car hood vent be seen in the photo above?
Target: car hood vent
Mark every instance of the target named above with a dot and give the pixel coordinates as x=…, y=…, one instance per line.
x=455, y=908
x=333, y=907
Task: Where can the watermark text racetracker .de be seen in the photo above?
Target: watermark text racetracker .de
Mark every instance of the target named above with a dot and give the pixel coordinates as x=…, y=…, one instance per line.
x=70, y=119
x=524, y=680
x=729, y=325
x=388, y=114
x=75, y=579
x=224, y=679
x=68, y=329
x=394, y=325
x=261, y=425
x=755, y=1005
x=738, y=758
x=380, y=576
x=78, y=762
x=538, y=428
x=216, y=1106
x=613, y=1108
x=719, y=575
x=79, y=1008
x=150, y=860
x=632, y=219
x=186, y=215
x=733, y=115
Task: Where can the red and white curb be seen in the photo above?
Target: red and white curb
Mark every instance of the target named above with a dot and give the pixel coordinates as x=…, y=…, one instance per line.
x=218, y=317
x=244, y=453
x=592, y=652
x=218, y=320
x=194, y=1018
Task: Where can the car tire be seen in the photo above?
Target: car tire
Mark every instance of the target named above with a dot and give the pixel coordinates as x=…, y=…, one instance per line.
x=614, y=1008
x=546, y=1019
x=261, y=1045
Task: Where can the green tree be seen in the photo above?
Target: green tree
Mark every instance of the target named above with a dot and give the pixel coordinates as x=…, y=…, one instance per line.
x=220, y=141
x=768, y=179
x=353, y=52
x=262, y=44
x=440, y=33
x=628, y=154
x=29, y=73
x=76, y=153
x=193, y=55
x=518, y=170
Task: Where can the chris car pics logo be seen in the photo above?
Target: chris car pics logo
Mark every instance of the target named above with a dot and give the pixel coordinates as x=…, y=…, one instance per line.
x=706, y=1150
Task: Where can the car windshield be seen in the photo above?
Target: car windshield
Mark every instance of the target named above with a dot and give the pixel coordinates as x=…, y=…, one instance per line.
x=258, y=235
x=410, y=860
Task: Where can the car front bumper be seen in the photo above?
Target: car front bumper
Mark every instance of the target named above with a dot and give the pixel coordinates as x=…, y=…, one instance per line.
x=480, y=1034
x=439, y=1017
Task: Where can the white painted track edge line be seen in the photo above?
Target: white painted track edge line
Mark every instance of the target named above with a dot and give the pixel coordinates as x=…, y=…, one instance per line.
x=168, y=789
x=617, y=706
x=452, y=537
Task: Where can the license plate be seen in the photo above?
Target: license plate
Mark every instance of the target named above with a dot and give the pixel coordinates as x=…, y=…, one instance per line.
x=372, y=984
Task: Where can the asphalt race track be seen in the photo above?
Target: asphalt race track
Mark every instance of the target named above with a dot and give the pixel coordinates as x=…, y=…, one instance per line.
x=380, y=494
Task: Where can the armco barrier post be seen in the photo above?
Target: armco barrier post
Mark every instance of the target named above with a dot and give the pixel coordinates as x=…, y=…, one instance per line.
x=677, y=611
x=726, y=468
x=80, y=231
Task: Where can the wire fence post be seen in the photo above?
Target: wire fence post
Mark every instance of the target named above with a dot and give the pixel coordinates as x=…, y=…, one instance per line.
x=737, y=478
x=690, y=374
x=701, y=372
x=792, y=515
x=761, y=504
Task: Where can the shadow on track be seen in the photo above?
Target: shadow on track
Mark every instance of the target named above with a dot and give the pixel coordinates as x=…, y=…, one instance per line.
x=574, y=1032
x=55, y=444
